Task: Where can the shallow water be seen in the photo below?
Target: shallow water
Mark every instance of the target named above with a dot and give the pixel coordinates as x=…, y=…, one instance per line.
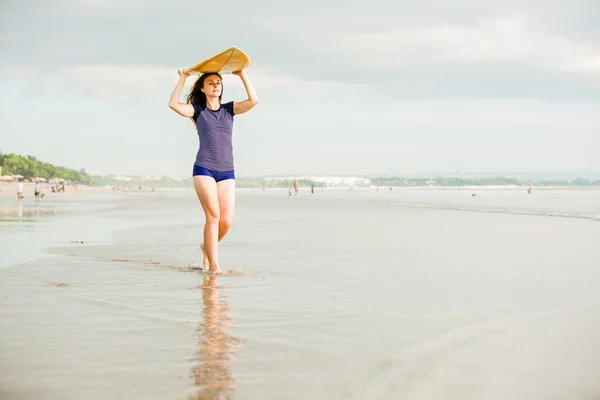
x=410, y=294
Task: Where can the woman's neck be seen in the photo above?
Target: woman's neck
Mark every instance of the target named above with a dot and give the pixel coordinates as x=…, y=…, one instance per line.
x=213, y=103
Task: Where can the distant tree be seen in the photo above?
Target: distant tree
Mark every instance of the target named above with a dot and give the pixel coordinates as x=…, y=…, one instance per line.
x=30, y=167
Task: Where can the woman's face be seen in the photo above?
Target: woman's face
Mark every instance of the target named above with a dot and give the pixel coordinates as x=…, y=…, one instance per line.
x=212, y=86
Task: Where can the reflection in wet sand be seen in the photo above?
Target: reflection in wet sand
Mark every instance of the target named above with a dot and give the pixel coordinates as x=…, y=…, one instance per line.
x=25, y=210
x=213, y=375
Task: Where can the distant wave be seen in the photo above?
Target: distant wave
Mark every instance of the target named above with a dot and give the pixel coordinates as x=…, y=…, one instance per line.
x=593, y=217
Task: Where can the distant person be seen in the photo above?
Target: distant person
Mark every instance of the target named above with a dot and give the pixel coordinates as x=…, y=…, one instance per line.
x=312, y=189
x=213, y=171
x=290, y=193
x=529, y=191
x=20, y=189
x=296, y=186
x=37, y=190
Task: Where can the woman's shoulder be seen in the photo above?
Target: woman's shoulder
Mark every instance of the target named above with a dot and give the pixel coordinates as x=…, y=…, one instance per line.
x=198, y=108
x=228, y=107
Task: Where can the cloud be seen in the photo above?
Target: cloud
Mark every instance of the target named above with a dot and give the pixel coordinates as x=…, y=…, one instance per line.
x=362, y=103
x=515, y=40
x=506, y=54
x=414, y=52
x=293, y=95
x=589, y=65
x=113, y=82
x=481, y=112
x=116, y=82
x=104, y=82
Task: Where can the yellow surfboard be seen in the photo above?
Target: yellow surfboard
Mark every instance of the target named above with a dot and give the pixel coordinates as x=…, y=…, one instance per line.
x=226, y=62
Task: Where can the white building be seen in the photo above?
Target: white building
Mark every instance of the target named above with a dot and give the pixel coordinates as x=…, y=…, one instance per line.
x=328, y=180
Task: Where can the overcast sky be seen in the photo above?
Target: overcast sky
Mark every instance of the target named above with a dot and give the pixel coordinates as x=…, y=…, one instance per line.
x=345, y=87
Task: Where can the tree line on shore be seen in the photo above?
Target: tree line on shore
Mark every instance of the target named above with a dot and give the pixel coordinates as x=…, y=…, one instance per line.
x=30, y=167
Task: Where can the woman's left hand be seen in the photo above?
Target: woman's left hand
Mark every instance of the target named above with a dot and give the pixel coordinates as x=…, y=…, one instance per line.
x=240, y=72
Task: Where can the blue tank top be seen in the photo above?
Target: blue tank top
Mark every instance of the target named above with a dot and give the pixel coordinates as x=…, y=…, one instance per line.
x=215, y=131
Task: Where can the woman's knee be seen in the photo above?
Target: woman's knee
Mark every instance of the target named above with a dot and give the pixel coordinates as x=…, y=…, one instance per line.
x=213, y=217
x=226, y=221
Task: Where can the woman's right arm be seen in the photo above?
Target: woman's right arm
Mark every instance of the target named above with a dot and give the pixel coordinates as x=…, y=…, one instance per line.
x=184, y=109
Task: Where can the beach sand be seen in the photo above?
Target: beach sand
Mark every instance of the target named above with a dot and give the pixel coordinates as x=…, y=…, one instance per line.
x=9, y=189
x=337, y=295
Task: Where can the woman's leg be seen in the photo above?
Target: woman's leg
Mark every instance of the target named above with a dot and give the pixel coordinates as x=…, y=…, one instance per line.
x=206, y=189
x=226, y=194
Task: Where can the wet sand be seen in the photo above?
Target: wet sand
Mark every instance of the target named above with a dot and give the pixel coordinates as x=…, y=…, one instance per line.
x=338, y=296
x=10, y=190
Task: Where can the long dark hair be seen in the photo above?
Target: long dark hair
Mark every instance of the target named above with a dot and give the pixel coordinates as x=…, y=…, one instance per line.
x=196, y=95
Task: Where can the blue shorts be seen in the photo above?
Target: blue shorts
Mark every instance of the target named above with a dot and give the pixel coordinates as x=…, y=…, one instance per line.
x=216, y=175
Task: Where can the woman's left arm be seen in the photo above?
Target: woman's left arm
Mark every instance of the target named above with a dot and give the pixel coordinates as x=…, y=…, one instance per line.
x=240, y=107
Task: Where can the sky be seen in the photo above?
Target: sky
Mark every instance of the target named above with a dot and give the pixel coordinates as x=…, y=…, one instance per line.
x=345, y=88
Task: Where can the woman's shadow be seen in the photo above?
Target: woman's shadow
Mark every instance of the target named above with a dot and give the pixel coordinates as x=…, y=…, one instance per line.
x=213, y=374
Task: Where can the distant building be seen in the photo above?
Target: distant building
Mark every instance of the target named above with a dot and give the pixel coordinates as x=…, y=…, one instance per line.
x=119, y=178
x=328, y=180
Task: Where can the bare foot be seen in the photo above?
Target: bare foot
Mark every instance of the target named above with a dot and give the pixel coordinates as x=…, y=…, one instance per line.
x=205, y=263
x=215, y=269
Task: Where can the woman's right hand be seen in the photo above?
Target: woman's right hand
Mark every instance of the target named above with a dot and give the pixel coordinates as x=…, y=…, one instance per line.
x=182, y=73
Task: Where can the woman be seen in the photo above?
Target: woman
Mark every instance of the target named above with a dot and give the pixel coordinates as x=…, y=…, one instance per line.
x=214, y=176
